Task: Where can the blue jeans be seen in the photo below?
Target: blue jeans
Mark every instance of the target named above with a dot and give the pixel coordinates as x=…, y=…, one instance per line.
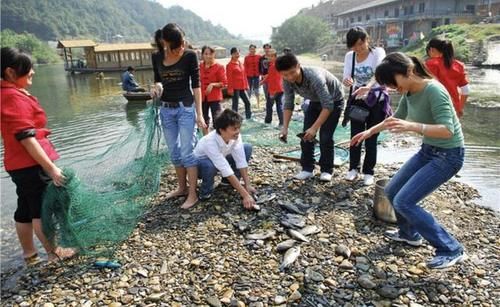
x=207, y=171
x=253, y=86
x=180, y=134
x=248, y=108
x=418, y=177
x=278, y=98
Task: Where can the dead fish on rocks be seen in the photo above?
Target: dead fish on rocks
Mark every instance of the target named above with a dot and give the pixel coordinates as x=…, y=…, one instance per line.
x=293, y=221
x=265, y=198
x=292, y=208
x=297, y=235
x=290, y=256
x=285, y=245
x=261, y=235
x=310, y=229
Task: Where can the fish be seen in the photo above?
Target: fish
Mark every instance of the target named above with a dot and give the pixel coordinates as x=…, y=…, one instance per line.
x=292, y=208
x=265, y=199
x=261, y=235
x=310, y=229
x=285, y=245
x=290, y=256
x=293, y=221
x=297, y=235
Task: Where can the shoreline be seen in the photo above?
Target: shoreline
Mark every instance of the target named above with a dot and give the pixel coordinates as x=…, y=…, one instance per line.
x=201, y=256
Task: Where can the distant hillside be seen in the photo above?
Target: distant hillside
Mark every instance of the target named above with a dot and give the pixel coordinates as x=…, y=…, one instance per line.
x=135, y=20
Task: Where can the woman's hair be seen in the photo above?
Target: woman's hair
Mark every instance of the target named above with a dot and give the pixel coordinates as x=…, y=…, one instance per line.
x=16, y=59
x=286, y=61
x=252, y=46
x=234, y=50
x=445, y=47
x=212, y=50
x=158, y=38
x=173, y=35
x=227, y=118
x=398, y=63
x=355, y=34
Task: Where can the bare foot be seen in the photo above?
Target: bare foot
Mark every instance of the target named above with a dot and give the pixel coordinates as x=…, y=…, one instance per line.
x=190, y=201
x=61, y=253
x=177, y=193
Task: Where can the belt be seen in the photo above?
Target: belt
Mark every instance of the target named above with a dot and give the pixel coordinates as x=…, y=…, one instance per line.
x=167, y=104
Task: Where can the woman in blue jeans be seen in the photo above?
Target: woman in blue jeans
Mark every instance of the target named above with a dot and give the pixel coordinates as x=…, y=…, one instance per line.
x=177, y=77
x=424, y=108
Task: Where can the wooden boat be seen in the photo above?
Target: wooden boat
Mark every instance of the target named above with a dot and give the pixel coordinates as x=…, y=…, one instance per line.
x=137, y=96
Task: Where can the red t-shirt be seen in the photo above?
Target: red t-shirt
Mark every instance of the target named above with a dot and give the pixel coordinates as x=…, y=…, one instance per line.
x=452, y=78
x=252, y=65
x=213, y=74
x=20, y=111
x=274, y=80
x=236, y=77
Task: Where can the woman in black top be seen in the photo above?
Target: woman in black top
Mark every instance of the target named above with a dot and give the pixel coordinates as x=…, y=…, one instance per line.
x=177, y=83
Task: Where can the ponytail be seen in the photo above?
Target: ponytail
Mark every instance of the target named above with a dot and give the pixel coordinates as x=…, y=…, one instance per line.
x=419, y=68
x=448, y=53
x=446, y=49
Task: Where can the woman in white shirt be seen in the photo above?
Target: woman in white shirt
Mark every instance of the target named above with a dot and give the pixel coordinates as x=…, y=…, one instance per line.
x=359, y=71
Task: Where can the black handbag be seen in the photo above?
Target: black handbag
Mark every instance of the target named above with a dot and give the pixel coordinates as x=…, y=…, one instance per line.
x=354, y=111
x=358, y=113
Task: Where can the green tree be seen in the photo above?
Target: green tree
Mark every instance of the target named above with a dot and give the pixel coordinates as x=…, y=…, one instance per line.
x=302, y=34
x=40, y=52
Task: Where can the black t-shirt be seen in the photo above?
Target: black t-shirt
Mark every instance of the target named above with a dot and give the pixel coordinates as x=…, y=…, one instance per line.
x=178, y=79
x=263, y=65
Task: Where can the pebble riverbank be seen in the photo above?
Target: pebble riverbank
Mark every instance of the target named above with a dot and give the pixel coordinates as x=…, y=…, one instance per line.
x=219, y=254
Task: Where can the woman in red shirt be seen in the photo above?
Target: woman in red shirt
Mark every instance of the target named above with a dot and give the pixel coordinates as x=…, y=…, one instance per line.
x=213, y=78
x=28, y=154
x=251, y=64
x=450, y=72
x=275, y=88
x=237, y=82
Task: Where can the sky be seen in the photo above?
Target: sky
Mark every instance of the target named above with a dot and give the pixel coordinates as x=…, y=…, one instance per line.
x=252, y=19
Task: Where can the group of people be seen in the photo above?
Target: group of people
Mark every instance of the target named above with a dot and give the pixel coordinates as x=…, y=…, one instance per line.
x=188, y=90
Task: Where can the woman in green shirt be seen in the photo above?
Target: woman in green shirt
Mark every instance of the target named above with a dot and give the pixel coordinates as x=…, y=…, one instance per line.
x=424, y=108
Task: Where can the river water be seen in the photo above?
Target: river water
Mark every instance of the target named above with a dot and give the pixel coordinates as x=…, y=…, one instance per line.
x=87, y=114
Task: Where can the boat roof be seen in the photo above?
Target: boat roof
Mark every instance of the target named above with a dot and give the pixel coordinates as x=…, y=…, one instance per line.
x=76, y=43
x=119, y=47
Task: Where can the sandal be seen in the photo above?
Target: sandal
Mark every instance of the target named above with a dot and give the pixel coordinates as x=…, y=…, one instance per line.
x=32, y=260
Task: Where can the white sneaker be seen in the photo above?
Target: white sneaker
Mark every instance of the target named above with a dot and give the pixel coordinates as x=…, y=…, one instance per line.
x=303, y=175
x=325, y=177
x=368, y=179
x=352, y=174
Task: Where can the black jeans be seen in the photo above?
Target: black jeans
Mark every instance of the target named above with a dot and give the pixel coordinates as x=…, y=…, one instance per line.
x=376, y=116
x=243, y=94
x=212, y=106
x=279, y=109
x=325, y=139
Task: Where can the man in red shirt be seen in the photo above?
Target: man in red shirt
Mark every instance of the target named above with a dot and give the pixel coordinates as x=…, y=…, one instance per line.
x=251, y=64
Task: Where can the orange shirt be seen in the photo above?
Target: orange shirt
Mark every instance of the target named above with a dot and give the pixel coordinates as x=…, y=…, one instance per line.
x=452, y=78
x=252, y=65
x=236, y=77
x=274, y=80
x=213, y=74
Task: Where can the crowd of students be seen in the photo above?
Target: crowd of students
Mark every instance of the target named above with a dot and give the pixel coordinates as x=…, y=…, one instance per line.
x=433, y=96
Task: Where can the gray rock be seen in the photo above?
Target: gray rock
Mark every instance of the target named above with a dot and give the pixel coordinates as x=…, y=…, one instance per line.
x=366, y=282
x=388, y=292
x=214, y=301
x=343, y=251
